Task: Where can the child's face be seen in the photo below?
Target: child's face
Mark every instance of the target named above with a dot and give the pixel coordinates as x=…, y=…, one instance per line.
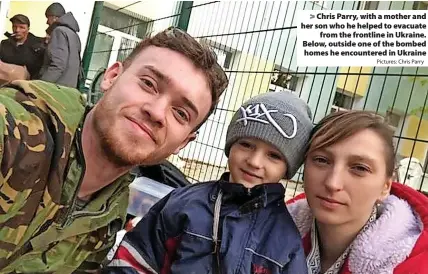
x=253, y=162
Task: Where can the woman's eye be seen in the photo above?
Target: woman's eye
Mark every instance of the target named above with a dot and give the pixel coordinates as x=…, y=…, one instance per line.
x=361, y=169
x=320, y=160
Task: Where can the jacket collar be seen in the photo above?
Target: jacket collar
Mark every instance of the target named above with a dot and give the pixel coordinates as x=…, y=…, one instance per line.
x=394, y=243
x=31, y=39
x=261, y=194
x=78, y=139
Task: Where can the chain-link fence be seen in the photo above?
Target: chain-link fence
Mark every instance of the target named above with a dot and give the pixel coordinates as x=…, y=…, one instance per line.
x=255, y=42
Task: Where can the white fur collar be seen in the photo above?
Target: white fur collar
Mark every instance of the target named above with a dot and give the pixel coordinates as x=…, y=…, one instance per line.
x=387, y=242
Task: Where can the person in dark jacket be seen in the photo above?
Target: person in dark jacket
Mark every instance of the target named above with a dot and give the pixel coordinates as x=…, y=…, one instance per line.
x=238, y=224
x=61, y=63
x=22, y=48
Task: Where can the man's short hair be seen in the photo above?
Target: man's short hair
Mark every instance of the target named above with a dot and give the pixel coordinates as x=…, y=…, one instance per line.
x=200, y=55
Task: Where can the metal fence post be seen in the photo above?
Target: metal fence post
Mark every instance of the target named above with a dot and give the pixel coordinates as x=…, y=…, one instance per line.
x=185, y=11
x=86, y=60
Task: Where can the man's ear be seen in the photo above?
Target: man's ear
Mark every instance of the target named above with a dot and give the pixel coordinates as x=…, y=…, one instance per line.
x=191, y=137
x=110, y=76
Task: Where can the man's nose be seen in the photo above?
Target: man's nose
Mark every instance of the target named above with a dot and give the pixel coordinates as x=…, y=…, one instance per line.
x=156, y=110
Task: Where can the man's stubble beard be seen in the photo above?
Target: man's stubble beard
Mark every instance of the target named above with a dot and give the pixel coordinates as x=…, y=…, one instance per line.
x=111, y=146
x=103, y=127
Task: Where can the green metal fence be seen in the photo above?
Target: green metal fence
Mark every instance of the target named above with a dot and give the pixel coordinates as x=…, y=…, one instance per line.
x=255, y=42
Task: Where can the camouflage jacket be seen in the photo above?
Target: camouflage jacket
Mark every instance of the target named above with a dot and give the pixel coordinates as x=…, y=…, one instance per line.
x=42, y=165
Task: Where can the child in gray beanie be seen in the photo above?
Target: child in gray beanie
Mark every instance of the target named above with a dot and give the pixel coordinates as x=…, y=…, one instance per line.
x=279, y=119
x=238, y=224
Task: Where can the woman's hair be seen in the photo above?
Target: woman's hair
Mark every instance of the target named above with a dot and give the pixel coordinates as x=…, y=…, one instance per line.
x=343, y=124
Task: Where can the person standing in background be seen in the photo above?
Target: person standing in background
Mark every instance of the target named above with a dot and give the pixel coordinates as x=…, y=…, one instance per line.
x=62, y=63
x=22, y=48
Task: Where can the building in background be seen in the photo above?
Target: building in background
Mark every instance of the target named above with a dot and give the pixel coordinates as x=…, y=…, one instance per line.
x=122, y=25
x=256, y=43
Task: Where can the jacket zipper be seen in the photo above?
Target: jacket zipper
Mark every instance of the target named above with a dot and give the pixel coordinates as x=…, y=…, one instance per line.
x=216, y=224
x=69, y=216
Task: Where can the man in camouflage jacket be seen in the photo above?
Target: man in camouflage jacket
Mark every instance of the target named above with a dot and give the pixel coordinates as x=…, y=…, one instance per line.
x=65, y=167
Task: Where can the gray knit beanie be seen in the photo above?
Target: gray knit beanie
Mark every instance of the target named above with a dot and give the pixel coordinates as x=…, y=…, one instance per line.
x=55, y=9
x=279, y=118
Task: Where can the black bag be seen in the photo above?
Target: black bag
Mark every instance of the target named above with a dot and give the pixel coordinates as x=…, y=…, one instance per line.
x=165, y=173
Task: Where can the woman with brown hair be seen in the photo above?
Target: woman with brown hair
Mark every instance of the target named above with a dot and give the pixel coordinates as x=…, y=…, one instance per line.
x=352, y=217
